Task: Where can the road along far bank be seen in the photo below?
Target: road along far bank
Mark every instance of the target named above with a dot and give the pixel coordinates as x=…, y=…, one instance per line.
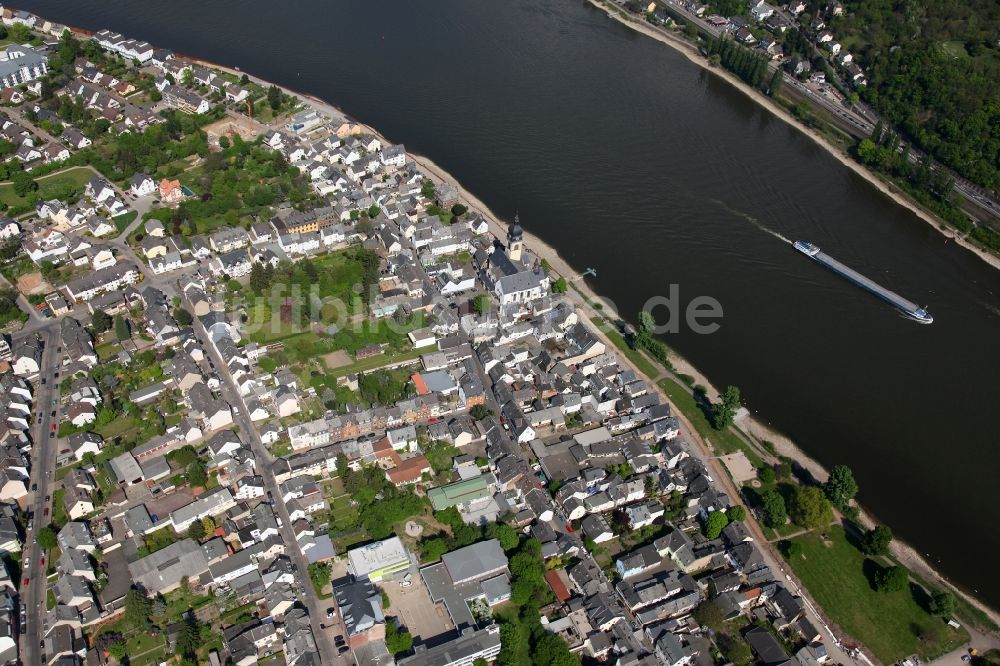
x=690, y=51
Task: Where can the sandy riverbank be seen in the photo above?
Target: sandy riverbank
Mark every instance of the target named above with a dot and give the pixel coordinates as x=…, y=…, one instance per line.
x=687, y=49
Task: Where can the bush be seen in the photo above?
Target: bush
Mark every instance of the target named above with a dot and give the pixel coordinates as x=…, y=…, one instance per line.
x=736, y=513
x=876, y=541
x=715, y=523
x=891, y=579
x=790, y=548
x=942, y=604
x=809, y=508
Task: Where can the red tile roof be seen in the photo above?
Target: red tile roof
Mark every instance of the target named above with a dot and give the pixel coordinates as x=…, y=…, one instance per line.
x=559, y=588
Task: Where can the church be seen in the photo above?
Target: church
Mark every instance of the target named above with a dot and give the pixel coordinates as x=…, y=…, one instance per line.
x=504, y=273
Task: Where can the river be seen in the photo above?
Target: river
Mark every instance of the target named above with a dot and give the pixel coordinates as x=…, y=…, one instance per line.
x=629, y=159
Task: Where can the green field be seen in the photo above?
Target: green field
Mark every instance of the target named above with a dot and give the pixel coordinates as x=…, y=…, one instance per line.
x=893, y=625
x=725, y=441
x=637, y=358
x=375, y=362
x=58, y=184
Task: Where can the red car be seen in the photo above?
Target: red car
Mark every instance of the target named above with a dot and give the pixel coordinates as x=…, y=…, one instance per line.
x=25, y=582
x=46, y=512
x=41, y=562
x=53, y=427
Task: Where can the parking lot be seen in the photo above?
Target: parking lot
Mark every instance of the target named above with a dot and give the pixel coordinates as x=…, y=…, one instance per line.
x=413, y=606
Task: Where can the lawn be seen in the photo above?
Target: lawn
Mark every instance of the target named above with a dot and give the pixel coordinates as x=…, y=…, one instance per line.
x=893, y=625
x=343, y=515
x=14, y=269
x=375, y=362
x=119, y=427
x=637, y=358
x=143, y=648
x=122, y=221
x=59, y=184
x=725, y=441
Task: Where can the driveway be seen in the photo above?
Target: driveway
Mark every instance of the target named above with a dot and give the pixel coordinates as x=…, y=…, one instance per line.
x=415, y=610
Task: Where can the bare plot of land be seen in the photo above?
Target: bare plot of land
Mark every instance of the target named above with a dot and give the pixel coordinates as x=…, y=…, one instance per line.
x=32, y=283
x=739, y=467
x=415, y=610
x=337, y=359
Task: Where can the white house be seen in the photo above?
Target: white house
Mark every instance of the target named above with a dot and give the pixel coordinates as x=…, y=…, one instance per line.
x=8, y=227
x=141, y=185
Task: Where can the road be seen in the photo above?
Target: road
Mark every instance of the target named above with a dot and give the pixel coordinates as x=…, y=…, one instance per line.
x=264, y=460
x=43, y=465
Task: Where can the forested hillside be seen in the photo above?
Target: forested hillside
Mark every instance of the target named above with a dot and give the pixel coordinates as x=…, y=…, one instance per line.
x=934, y=71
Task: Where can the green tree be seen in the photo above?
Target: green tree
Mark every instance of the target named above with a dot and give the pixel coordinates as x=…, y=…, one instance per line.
x=100, y=321
x=891, y=579
x=117, y=649
x=196, y=531
x=552, y=650
x=137, y=609
x=319, y=574
x=790, y=548
x=188, y=638
x=46, y=538
x=775, y=512
x=508, y=537
x=274, y=97
x=841, y=487
x=560, y=286
x=714, y=524
x=809, y=508
x=397, y=640
x=736, y=513
x=777, y=79
x=121, y=327
x=942, y=604
x=481, y=304
x=513, y=636
x=196, y=474
x=708, y=614
x=183, y=317
x=458, y=210
x=24, y=184
x=479, y=412
x=766, y=475
x=724, y=411
x=431, y=550
x=876, y=541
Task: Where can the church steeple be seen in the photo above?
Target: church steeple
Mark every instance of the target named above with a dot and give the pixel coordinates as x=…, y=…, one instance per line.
x=515, y=239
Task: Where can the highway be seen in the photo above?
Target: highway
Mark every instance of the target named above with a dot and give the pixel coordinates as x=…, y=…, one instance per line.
x=264, y=460
x=43, y=465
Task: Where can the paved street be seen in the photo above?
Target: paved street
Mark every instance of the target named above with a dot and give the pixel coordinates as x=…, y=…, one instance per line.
x=43, y=464
x=307, y=594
